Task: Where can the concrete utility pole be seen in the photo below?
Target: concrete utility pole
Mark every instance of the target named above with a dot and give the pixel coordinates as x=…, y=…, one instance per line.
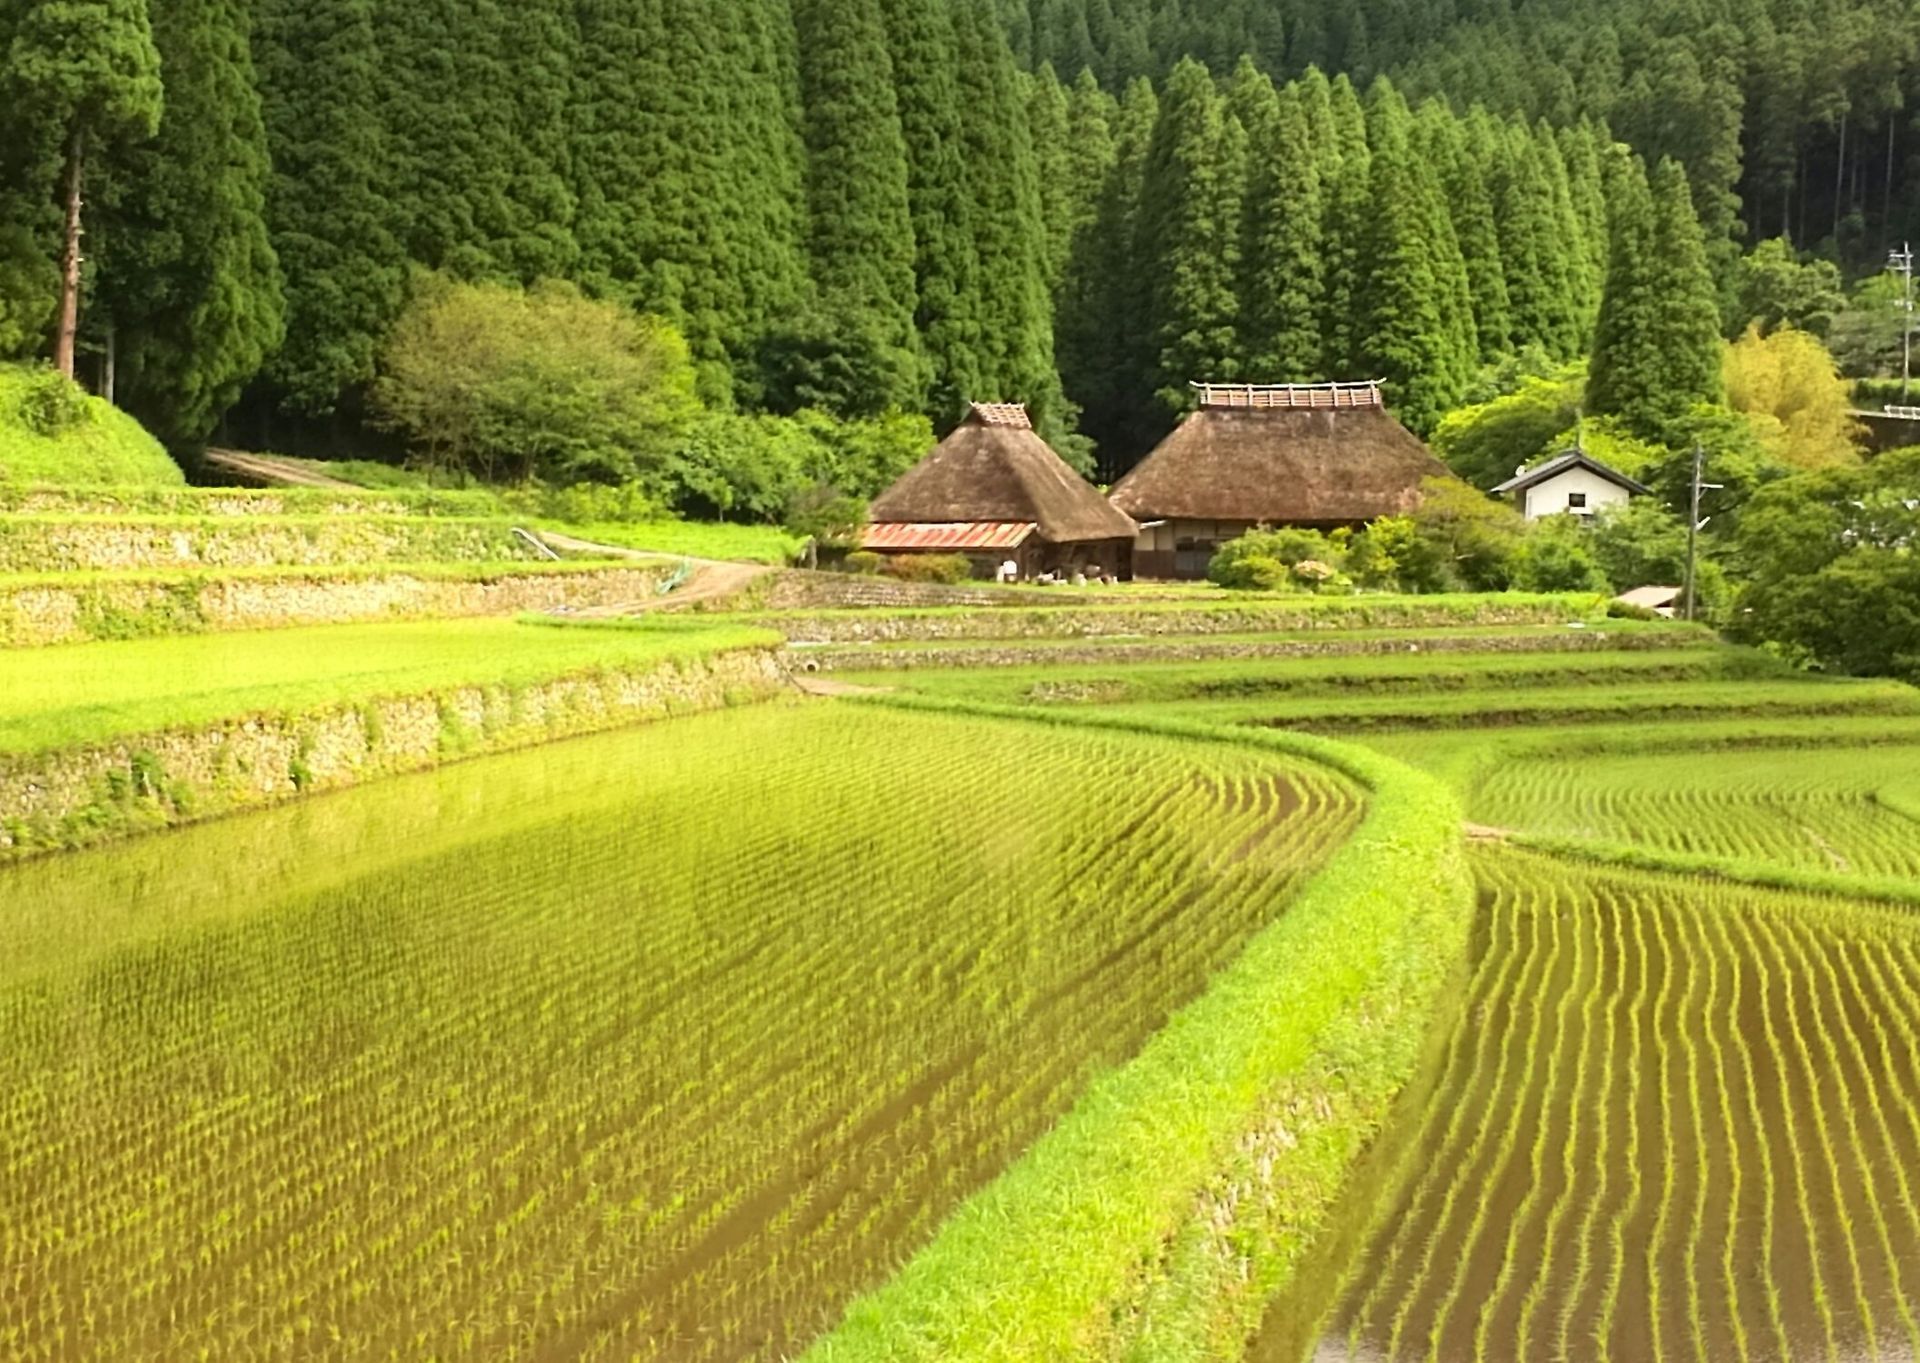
x=1901, y=263
x=1694, y=526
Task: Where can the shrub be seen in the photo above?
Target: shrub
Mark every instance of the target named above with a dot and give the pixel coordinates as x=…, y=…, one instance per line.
x=862, y=561
x=1557, y=556
x=1626, y=610
x=1266, y=561
x=545, y=382
x=944, y=568
x=50, y=405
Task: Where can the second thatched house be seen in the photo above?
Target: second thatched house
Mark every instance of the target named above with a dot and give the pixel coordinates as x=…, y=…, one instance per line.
x=996, y=492
x=1313, y=455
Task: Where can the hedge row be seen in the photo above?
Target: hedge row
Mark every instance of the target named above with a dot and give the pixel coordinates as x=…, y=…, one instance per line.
x=1342, y=988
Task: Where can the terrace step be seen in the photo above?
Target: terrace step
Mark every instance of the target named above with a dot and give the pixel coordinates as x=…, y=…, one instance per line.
x=1181, y=648
x=340, y=500
x=37, y=544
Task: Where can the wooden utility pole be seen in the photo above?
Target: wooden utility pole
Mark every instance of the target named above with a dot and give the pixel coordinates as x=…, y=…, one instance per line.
x=66, y=337
x=1901, y=263
x=1695, y=524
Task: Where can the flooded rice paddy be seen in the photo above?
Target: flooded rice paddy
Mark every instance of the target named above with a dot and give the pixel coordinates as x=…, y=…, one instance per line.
x=661, y=1045
x=1677, y=1121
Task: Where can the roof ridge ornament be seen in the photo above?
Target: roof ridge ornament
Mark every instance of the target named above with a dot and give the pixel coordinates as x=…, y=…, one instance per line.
x=1292, y=396
x=1010, y=414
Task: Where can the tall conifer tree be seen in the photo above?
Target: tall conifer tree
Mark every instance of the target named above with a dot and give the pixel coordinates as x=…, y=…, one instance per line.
x=1009, y=235
x=1283, y=294
x=1689, y=327
x=861, y=217
x=1411, y=300
x=1348, y=201
x=86, y=74
x=1625, y=376
x=190, y=279
x=1190, y=224
x=1105, y=345
x=1470, y=208
x=328, y=204
x=1048, y=112
x=925, y=52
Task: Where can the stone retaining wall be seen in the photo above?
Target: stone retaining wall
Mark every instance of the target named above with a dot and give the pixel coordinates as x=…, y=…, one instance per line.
x=37, y=613
x=844, y=659
x=86, y=795
x=45, y=545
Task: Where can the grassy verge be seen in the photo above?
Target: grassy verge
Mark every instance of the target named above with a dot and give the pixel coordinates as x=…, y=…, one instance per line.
x=79, y=694
x=691, y=539
x=1425, y=673
x=98, y=443
x=1038, y=1263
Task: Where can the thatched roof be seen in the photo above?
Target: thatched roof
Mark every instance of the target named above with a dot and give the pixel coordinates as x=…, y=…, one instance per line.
x=1307, y=455
x=993, y=468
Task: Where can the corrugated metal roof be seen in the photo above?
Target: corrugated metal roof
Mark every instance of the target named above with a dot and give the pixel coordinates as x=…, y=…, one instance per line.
x=900, y=535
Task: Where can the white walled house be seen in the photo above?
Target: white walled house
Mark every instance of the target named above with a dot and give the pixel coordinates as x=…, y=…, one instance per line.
x=1571, y=484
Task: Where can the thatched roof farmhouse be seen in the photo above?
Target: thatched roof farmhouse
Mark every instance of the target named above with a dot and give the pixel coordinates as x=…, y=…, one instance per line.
x=996, y=492
x=1316, y=455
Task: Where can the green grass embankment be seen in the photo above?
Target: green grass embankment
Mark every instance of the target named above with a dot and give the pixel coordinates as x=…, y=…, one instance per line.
x=1399, y=672
x=70, y=696
x=1104, y=1213
x=52, y=433
x=767, y=544
x=32, y=544
x=111, y=501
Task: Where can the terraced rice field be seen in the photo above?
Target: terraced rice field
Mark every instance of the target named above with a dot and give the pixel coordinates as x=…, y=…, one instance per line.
x=661, y=1046
x=1824, y=809
x=1677, y=1121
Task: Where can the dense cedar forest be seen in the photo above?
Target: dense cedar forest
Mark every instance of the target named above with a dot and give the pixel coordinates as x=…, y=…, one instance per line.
x=863, y=205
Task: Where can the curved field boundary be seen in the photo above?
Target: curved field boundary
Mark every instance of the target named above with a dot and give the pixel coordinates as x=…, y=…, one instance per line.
x=87, y=793
x=1345, y=983
x=1761, y=874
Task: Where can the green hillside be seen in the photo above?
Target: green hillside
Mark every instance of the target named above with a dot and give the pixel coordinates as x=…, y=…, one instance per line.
x=51, y=432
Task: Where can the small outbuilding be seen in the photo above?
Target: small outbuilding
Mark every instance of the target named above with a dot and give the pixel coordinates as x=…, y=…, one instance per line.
x=1569, y=484
x=1318, y=456
x=997, y=493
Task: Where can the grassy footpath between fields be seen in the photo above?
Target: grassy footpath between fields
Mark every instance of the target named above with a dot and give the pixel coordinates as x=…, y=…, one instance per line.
x=1316, y=1026
x=101, y=740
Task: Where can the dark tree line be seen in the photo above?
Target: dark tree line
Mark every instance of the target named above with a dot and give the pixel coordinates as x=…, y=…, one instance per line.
x=861, y=205
x=1793, y=118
